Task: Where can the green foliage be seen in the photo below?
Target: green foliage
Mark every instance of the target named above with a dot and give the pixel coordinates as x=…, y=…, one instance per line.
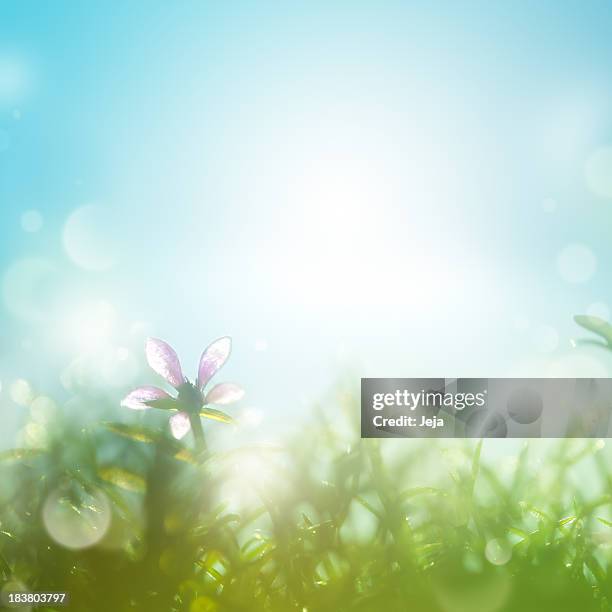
x=216, y=415
x=328, y=522
x=596, y=325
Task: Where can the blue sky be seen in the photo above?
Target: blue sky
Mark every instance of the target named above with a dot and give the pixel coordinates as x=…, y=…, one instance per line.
x=389, y=186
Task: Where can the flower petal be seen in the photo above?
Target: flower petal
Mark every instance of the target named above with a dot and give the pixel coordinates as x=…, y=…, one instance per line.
x=180, y=425
x=224, y=393
x=136, y=400
x=163, y=359
x=213, y=357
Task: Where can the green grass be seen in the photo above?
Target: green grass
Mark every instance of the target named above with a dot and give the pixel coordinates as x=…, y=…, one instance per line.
x=326, y=522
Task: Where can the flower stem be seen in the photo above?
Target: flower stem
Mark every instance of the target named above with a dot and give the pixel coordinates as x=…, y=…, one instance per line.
x=198, y=433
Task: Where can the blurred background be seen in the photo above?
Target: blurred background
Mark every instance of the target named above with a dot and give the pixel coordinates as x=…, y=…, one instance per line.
x=384, y=188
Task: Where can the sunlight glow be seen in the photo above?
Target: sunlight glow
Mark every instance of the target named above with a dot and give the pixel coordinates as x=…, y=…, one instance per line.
x=90, y=327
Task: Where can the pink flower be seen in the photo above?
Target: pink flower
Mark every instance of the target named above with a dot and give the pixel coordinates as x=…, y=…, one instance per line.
x=187, y=398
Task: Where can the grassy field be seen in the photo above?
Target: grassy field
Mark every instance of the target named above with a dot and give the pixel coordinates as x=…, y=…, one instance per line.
x=125, y=517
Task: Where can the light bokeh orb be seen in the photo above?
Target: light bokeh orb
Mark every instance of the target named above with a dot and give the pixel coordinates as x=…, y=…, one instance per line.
x=31, y=221
x=80, y=523
x=87, y=238
x=14, y=586
x=34, y=435
x=15, y=79
x=498, y=552
x=21, y=392
x=576, y=263
x=43, y=410
x=525, y=405
x=599, y=309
